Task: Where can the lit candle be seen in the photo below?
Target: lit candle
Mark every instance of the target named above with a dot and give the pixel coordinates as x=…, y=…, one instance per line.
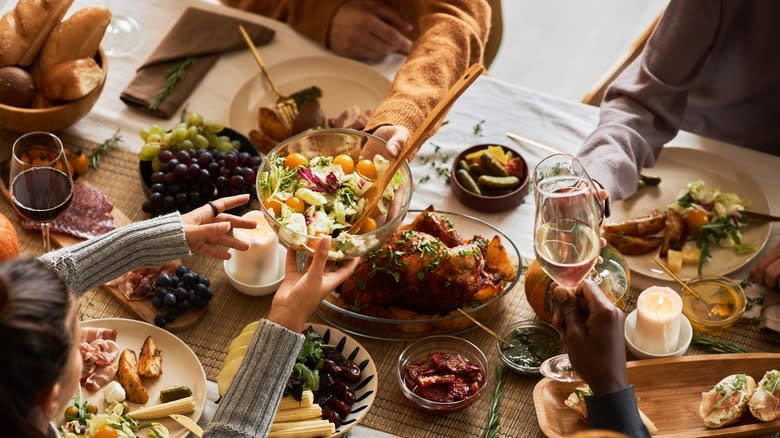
x=260, y=263
x=658, y=320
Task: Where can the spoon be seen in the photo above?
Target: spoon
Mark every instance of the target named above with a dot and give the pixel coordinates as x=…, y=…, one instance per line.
x=681, y=282
x=485, y=328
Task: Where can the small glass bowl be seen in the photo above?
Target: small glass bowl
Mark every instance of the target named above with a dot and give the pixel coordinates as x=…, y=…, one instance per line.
x=420, y=350
x=536, y=327
x=725, y=302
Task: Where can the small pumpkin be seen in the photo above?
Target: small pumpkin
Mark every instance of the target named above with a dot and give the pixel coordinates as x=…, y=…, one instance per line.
x=9, y=240
x=615, y=282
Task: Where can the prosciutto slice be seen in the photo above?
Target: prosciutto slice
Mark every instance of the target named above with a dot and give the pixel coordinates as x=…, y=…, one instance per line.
x=88, y=215
x=100, y=355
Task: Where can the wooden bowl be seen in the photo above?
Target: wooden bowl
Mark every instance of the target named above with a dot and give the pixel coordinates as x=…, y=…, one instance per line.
x=54, y=118
x=485, y=203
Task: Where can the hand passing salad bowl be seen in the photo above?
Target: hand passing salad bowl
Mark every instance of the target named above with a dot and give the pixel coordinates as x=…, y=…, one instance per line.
x=315, y=185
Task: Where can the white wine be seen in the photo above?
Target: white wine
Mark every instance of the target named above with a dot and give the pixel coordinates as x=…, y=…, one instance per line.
x=567, y=250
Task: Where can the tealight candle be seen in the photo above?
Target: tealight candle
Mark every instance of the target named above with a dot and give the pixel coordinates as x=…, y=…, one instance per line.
x=658, y=312
x=260, y=263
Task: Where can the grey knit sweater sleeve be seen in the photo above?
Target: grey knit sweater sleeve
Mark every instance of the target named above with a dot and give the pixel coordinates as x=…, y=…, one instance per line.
x=95, y=261
x=644, y=107
x=248, y=408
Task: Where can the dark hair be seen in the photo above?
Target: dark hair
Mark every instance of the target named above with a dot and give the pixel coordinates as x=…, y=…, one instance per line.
x=35, y=340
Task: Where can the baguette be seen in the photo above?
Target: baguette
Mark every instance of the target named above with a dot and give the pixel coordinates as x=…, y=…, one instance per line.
x=765, y=402
x=127, y=375
x=727, y=401
x=77, y=37
x=24, y=29
x=71, y=80
x=150, y=360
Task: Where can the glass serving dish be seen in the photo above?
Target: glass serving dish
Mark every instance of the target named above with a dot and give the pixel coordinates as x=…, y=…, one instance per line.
x=333, y=142
x=413, y=325
x=533, y=341
x=722, y=302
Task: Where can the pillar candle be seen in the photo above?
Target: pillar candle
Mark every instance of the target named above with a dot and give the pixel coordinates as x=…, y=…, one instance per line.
x=260, y=263
x=658, y=320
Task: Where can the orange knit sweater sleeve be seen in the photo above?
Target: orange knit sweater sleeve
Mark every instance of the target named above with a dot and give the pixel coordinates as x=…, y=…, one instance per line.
x=308, y=17
x=452, y=36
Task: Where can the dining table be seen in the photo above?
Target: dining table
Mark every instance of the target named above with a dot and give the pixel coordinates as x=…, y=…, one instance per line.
x=482, y=115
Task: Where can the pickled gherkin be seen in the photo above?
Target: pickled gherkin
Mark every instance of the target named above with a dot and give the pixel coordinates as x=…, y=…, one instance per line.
x=175, y=393
x=467, y=181
x=492, y=166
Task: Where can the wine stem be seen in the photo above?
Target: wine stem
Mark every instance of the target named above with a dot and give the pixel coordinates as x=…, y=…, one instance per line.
x=46, y=240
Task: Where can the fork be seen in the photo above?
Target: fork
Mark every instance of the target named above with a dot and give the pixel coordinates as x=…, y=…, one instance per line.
x=285, y=105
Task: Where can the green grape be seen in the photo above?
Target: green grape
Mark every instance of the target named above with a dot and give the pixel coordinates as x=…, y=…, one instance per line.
x=179, y=134
x=149, y=151
x=223, y=139
x=224, y=147
x=156, y=163
x=156, y=129
x=201, y=142
x=212, y=139
x=186, y=144
x=153, y=138
x=236, y=144
x=168, y=139
x=192, y=132
x=214, y=126
x=144, y=133
x=194, y=119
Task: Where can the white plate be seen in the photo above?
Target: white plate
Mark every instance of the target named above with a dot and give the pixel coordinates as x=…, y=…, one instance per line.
x=365, y=390
x=677, y=167
x=180, y=367
x=343, y=82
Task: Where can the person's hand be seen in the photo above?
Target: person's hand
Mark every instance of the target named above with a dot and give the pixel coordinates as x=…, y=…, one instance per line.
x=301, y=292
x=395, y=137
x=207, y=233
x=368, y=30
x=592, y=329
x=767, y=271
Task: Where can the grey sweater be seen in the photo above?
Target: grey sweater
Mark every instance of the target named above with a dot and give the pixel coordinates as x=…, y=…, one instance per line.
x=711, y=68
x=248, y=408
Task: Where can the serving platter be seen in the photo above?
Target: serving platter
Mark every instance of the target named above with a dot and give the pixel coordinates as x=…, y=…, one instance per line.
x=180, y=367
x=677, y=167
x=343, y=82
x=668, y=391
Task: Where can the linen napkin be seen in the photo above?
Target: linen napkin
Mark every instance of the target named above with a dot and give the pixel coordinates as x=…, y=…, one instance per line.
x=199, y=34
x=770, y=315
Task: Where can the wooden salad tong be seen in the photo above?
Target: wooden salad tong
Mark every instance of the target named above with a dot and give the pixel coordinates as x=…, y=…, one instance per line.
x=374, y=193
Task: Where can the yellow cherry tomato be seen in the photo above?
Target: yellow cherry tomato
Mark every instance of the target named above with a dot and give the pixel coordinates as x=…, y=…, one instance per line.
x=294, y=160
x=695, y=219
x=346, y=162
x=106, y=432
x=273, y=204
x=296, y=204
x=368, y=226
x=367, y=169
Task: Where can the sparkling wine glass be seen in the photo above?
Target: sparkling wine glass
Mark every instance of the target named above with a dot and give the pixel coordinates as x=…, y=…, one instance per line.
x=40, y=183
x=123, y=34
x=566, y=233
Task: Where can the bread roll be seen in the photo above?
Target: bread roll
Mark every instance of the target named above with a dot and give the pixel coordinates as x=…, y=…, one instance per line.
x=77, y=37
x=24, y=29
x=727, y=401
x=765, y=402
x=71, y=80
x=16, y=87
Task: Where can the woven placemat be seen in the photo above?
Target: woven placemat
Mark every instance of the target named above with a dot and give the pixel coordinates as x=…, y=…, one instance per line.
x=230, y=310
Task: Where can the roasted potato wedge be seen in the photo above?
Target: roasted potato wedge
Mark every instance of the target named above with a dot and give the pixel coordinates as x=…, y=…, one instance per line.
x=497, y=259
x=262, y=142
x=271, y=124
x=632, y=245
x=640, y=226
x=675, y=233
x=128, y=377
x=150, y=360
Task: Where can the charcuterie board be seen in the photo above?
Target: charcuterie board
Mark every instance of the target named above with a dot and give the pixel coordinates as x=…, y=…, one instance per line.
x=141, y=308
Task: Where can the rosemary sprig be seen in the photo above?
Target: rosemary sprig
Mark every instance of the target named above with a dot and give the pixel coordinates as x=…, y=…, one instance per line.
x=172, y=77
x=493, y=424
x=110, y=144
x=713, y=345
x=478, y=128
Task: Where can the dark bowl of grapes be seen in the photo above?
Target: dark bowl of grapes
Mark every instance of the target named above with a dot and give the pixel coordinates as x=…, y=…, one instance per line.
x=197, y=161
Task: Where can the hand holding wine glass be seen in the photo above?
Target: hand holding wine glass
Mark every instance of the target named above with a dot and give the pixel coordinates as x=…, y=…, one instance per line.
x=41, y=186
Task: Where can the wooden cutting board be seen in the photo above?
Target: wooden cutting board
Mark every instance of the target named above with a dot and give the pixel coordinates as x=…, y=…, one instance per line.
x=142, y=308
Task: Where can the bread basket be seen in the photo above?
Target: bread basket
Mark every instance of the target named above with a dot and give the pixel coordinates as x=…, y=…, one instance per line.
x=58, y=117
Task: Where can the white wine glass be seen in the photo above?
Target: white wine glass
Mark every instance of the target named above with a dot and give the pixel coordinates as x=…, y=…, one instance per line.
x=41, y=186
x=123, y=34
x=566, y=233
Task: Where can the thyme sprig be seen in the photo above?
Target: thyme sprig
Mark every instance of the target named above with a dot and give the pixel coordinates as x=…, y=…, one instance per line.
x=713, y=345
x=108, y=145
x=172, y=77
x=493, y=424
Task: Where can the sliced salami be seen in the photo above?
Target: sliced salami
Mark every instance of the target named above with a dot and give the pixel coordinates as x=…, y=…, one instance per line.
x=87, y=216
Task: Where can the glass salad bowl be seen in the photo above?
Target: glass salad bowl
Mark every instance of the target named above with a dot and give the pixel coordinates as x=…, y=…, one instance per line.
x=402, y=324
x=314, y=195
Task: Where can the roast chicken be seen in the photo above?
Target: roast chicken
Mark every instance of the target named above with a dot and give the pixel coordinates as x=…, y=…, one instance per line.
x=426, y=267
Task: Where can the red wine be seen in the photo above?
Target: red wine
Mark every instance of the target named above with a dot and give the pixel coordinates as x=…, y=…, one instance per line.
x=41, y=193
